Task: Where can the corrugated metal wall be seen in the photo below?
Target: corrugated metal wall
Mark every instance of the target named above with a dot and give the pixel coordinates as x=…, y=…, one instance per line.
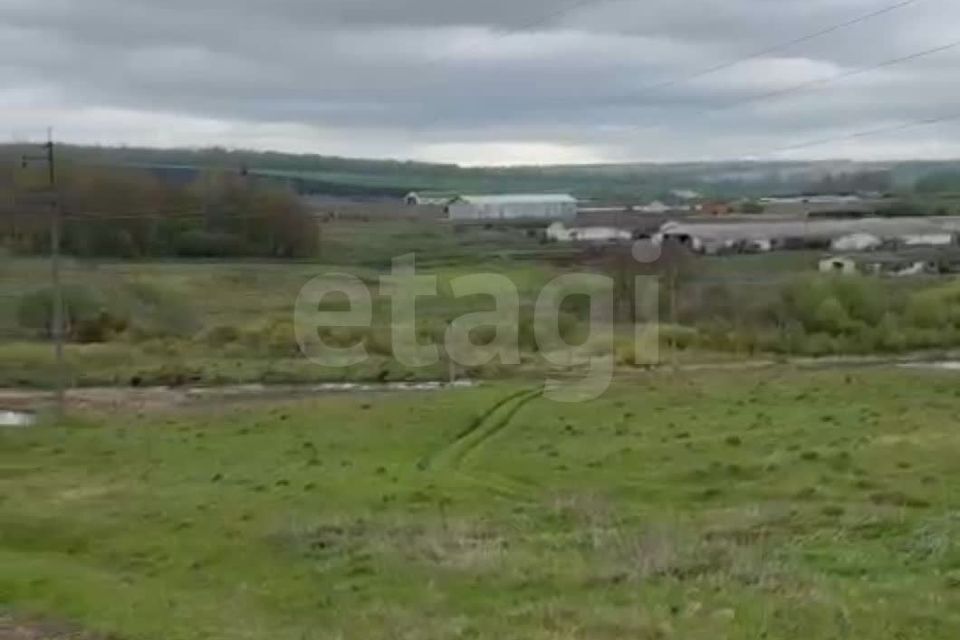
x=513, y=211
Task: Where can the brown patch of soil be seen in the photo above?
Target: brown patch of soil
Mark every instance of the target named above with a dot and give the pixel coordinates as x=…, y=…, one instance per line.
x=33, y=629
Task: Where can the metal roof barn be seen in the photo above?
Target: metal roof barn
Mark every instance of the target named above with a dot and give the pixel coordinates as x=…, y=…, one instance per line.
x=513, y=207
x=883, y=228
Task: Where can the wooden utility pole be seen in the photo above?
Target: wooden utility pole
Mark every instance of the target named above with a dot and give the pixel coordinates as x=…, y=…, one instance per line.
x=57, y=330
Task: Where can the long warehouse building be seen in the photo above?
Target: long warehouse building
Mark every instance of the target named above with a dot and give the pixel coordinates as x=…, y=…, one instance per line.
x=513, y=207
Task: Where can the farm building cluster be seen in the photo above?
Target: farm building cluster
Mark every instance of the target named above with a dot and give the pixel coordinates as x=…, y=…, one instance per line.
x=918, y=262
x=874, y=246
x=854, y=235
x=844, y=228
x=680, y=203
x=480, y=208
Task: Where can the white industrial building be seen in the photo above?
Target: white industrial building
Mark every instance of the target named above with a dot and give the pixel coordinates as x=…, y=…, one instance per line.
x=557, y=232
x=839, y=265
x=513, y=207
x=429, y=198
x=857, y=242
x=841, y=235
x=656, y=207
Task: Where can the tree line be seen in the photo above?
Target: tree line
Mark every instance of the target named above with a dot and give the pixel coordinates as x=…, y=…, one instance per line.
x=132, y=213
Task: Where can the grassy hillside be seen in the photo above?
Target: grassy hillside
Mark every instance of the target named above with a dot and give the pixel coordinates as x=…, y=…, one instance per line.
x=389, y=178
x=214, y=322
x=813, y=505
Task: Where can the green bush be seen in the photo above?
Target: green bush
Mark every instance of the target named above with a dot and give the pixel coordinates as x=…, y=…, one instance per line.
x=221, y=336
x=35, y=309
x=86, y=317
x=343, y=337
x=927, y=311
x=156, y=312
x=572, y=331
x=206, y=244
x=380, y=341
x=101, y=328
x=936, y=308
x=819, y=315
x=138, y=310
x=864, y=299
x=834, y=305
x=680, y=337
x=281, y=339
x=831, y=317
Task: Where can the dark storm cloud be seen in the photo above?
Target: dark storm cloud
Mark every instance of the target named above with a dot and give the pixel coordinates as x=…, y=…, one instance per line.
x=539, y=80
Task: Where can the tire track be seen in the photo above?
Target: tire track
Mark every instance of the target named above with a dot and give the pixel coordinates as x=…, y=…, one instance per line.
x=508, y=414
x=492, y=422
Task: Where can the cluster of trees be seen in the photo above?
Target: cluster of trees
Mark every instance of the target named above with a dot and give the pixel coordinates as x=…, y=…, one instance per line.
x=389, y=179
x=818, y=315
x=853, y=182
x=939, y=182
x=124, y=212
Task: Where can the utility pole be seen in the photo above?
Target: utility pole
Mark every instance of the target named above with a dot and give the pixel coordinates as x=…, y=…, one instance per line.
x=57, y=330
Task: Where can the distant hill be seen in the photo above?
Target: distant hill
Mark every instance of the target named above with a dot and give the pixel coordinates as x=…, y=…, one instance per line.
x=377, y=179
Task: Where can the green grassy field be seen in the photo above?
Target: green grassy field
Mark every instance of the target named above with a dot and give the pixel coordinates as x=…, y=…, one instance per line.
x=776, y=504
x=231, y=322
x=216, y=322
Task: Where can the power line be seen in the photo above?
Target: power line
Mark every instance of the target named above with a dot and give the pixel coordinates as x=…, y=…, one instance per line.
x=819, y=82
x=56, y=221
x=862, y=134
x=803, y=86
x=779, y=47
x=81, y=217
x=162, y=216
x=902, y=4
x=144, y=215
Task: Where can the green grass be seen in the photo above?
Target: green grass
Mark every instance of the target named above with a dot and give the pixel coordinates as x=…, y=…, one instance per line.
x=247, y=292
x=436, y=243
x=176, y=364
x=225, y=322
x=175, y=307
x=762, y=505
x=762, y=268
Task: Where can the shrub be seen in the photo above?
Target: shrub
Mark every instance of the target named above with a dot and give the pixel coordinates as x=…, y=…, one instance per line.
x=343, y=337
x=571, y=330
x=86, y=317
x=165, y=347
x=206, y=244
x=222, y=335
x=935, y=308
x=380, y=341
x=101, y=328
x=826, y=315
x=837, y=305
x=889, y=334
x=830, y=316
x=864, y=299
x=280, y=339
x=90, y=315
x=820, y=344
x=680, y=337
x=156, y=312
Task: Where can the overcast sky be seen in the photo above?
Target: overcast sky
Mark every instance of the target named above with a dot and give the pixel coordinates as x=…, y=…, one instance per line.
x=480, y=81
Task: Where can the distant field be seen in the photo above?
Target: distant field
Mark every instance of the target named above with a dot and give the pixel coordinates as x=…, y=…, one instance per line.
x=764, y=267
x=435, y=243
x=781, y=505
x=227, y=322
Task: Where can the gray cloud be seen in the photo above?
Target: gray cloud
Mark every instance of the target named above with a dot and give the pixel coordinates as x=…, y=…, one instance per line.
x=497, y=81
